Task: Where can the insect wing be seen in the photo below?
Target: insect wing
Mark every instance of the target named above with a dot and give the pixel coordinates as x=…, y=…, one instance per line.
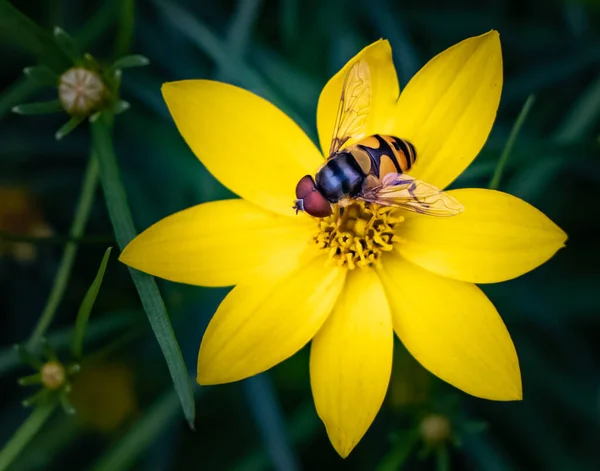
x=354, y=107
x=406, y=192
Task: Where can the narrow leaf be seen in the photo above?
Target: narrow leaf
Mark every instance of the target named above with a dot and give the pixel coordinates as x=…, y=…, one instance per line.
x=30, y=380
x=18, y=92
x=121, y=106
x=67, y=44
x=512, y=138
x=43, y=107
x=23, y=436
x=86, y=306
x=68, y=127
x=120, y=216
x=582, y=117
x=42, y=75
x=135, y=60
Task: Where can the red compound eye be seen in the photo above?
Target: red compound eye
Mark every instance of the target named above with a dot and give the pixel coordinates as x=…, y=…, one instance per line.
x=310, y=198
x=316, y=205
x=305, y=186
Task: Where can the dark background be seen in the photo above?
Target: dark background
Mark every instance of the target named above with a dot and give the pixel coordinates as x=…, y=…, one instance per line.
x=286, y=50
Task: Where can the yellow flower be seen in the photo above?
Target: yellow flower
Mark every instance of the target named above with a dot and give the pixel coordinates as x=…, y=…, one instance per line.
x=296, y=282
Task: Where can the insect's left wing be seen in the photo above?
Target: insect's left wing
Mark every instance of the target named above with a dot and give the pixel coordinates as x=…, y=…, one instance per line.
x=406, y=192
x=354, y=107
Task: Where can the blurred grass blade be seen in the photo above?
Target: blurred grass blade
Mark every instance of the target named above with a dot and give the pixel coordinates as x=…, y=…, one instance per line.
x=69, y=126
x=41, y=75
x=19, y=30
x=142, y=435
x=43, y=107
x=443, y=459
x=82, y=213
x=135, y=60
x=26, y=432
x=495, y=181
x=125, y=27
x=582, y=117
x=395, y=459
x=68, y=45
x=86, y=306
x=269, y=418
x=120, y=216
x=213, y=46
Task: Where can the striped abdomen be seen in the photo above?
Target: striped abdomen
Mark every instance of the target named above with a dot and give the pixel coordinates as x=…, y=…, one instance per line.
x=379, y=155
x=346, y=172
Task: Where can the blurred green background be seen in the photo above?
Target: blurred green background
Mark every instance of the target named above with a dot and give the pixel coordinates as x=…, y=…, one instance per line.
x=285, y=50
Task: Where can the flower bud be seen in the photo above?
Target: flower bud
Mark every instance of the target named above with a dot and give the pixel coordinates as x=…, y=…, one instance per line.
x=53, y=375
x=81, y=91
x=435, y=429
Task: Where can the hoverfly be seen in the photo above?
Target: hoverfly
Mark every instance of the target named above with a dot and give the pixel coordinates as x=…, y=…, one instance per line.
x=373, y=169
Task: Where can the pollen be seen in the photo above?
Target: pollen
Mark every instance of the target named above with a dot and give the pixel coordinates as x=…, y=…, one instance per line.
x=357, y=236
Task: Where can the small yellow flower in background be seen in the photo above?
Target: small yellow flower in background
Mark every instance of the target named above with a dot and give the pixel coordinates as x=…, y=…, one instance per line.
x=21, y=215
x=104, y=396
x=294, y=283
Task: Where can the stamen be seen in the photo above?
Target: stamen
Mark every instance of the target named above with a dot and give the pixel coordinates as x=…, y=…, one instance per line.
x=358, y=236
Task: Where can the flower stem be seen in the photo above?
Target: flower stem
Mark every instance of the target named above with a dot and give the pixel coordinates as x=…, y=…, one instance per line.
x=26, y=432
x=495, y=181
x=84, y=206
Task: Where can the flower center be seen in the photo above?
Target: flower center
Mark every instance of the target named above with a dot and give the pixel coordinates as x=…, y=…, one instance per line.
x=357, y=235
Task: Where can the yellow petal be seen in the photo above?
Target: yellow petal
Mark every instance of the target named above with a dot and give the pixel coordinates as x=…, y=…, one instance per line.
x=496, y=238
x=384, y=92
x=452, y=329
x=247, y=143
x=262, y=323
x=448, y=108
x=351, y=360
x=221, y=244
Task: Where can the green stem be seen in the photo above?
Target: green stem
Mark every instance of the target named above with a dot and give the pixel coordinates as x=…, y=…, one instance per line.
x=23, y=436
x=495, y=181
x=82, y=213
x=125, y=28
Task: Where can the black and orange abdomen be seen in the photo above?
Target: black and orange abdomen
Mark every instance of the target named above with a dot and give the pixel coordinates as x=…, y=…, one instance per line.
x=379, y=155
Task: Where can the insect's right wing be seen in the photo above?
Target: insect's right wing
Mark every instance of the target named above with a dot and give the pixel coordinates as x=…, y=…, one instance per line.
x=354, y=107
x=406, y=192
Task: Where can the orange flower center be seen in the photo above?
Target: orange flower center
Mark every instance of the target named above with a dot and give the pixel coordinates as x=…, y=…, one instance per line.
x=358, y=235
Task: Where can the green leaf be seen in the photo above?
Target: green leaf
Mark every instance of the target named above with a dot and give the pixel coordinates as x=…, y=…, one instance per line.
x=84, y=206
x=43, y=107
x=68, y=45
x=512, y=138
x=42, y=75
x=26, y=432
x=86, y=306
x=19, y=30
x=135, y=60
x=35, y=378
x=120, y=216
x=68, y=127
x=142, y=435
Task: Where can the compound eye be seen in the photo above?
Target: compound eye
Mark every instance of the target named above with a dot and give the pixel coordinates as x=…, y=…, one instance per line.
x=316, y=205
x=305, y=186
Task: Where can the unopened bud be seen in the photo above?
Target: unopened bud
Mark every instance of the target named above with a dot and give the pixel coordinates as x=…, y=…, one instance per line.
x=81, y=91
x=435, y=429
x=53, y=375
